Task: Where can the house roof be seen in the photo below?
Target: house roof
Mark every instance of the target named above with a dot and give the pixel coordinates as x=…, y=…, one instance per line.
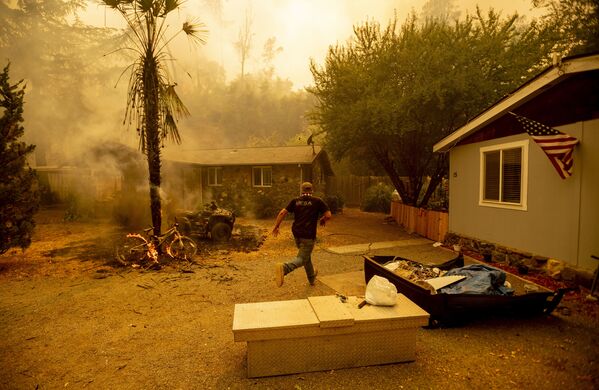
x=549, y=77
x=249, y=156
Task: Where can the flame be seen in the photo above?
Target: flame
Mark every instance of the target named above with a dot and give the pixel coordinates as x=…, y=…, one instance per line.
x=152, y=252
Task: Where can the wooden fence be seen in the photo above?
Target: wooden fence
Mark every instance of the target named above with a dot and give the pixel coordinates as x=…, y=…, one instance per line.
x=427, y=223
x=352, y=188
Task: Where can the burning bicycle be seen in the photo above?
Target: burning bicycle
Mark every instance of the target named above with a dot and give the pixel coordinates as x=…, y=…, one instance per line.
x=137, y=250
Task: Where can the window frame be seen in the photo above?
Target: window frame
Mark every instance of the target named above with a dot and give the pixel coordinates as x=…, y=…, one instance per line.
x=523, y=204
x=261, y=168
x=211, y=173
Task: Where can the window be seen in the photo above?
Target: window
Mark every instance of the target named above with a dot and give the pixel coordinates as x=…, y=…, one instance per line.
x=504, y=175
x=215, y=176
x=262, y=176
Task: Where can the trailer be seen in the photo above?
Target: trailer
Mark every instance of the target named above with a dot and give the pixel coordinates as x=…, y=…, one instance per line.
x=527, y=299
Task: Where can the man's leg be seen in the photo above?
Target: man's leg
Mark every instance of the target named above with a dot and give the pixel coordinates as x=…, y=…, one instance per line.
x=304, y=246
x=303, y=258
x=308, y=267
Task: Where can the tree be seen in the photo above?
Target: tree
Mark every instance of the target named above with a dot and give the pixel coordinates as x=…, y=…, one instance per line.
x=573, y=23
x=269, y=52
x=152, y=103
x=440, y=9
x=390, y=94
x=64, y=71
x=19, y=198
x=244, y=44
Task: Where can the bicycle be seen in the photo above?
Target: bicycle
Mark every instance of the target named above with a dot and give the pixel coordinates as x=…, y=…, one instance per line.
x=137, y=249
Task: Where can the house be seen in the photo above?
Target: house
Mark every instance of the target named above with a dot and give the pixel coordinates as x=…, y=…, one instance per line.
x=505, y=193
x=224, y=174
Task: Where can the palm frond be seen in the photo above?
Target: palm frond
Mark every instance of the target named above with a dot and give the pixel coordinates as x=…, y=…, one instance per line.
x=115, y=4
x=146, y=5
x=195, y=30
x=170, y=5
x=173, y=101
x=170, y=129
x=153, y=106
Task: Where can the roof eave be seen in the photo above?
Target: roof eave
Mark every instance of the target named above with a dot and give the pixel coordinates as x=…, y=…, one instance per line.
x=520, y=96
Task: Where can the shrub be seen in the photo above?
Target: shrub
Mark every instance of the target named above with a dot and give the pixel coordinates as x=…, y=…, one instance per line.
x=377, y=198
x=335, y=203
x=267, y=202
x=264, y=206
x=47, y=196
x=234, y=196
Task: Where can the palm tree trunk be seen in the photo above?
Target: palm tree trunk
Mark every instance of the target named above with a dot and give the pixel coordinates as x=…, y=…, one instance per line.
x=150, y=81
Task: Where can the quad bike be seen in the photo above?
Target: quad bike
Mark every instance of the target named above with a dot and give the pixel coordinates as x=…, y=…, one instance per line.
x=211, y=222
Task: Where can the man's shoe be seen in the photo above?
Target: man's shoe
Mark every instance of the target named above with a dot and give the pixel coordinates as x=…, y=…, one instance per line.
x=315, y=275
x=279, y=274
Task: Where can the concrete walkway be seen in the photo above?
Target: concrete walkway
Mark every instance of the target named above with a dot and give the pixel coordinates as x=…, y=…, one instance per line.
x=414, y=248
x=361, y=248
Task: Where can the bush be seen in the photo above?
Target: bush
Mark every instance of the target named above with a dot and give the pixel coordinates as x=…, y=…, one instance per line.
x=267, y=202
x=377, y=198
x=234, y=196
x=264, y=206
x=335, y=203
x=47, y=196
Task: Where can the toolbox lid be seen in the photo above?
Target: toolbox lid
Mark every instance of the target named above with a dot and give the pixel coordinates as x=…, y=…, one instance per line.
x=404, y=311
x=331, y=312
x=264, y=317
x=315, y=315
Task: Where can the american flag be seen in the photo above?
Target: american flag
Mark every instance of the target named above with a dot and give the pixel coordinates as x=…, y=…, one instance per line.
x=557, y=146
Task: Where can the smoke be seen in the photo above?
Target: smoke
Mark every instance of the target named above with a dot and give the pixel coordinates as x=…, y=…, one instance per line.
x=77, y=87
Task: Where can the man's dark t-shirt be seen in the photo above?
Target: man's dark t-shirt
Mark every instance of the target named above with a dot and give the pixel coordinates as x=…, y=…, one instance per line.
x=306, y=210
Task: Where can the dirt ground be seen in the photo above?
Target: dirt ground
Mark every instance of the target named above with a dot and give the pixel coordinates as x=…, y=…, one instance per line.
x=71, y=318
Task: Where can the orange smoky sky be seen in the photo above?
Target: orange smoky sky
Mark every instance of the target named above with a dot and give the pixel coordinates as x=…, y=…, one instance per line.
x=303, y=29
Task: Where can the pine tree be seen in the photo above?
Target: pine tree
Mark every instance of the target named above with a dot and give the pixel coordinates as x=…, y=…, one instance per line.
x=19, y=195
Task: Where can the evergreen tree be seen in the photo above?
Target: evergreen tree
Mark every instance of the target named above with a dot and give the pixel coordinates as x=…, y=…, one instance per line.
x=19, y=197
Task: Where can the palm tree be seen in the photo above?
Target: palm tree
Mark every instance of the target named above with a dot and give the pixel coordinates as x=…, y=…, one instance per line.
x=152, y=103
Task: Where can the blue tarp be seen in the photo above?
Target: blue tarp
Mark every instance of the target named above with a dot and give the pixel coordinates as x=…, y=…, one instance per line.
x=480, y=279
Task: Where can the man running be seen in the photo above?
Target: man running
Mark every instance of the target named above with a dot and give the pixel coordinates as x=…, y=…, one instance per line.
x=306, y=211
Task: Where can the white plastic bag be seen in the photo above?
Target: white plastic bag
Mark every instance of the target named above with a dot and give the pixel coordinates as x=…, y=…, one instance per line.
x=380, y=292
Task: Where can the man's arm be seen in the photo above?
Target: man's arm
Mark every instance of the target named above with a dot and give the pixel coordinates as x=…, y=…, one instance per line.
x=280, y=217
x=325, y=217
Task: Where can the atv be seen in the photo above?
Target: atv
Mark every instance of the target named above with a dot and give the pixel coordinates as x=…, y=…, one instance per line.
x=212, y=222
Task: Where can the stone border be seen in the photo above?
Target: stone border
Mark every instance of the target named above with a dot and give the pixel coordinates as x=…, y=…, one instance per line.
x=525, y=262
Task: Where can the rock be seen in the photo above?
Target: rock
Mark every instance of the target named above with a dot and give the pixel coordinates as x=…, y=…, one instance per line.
x=568, y=274
x=498, y=256
x=554, y=268
x=540, y=260
x=522, y=269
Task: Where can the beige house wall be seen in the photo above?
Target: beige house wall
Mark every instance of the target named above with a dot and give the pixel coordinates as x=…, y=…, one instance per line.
x=561, y=218
x=588, y=152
